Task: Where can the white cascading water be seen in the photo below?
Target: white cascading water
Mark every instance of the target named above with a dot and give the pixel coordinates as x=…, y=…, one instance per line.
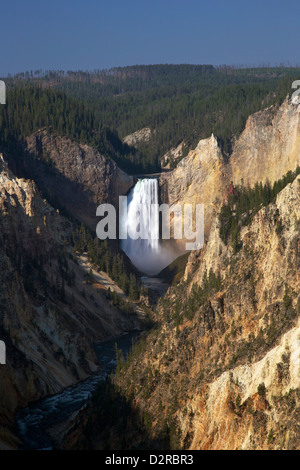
x=146, y=254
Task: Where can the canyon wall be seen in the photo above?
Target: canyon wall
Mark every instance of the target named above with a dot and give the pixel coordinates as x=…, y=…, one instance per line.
x=76, y=176
x=267, y=149
x=50, y=315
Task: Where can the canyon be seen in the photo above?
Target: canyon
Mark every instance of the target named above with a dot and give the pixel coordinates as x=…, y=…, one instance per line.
x=267, y=149
x=51, y=316
x=221, y=369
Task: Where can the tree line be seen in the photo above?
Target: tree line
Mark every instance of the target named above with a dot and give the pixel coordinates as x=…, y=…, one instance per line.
x=178, y=102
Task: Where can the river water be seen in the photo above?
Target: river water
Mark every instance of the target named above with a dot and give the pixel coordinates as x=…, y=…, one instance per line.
x=35, y=420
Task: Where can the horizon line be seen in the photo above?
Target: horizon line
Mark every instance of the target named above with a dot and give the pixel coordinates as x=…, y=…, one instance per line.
x=95, y=71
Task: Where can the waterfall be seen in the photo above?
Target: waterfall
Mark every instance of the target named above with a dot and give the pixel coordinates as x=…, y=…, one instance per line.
x=147, y=253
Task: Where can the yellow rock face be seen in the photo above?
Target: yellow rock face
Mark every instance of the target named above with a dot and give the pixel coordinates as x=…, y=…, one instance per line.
x=267, y=149
x=269, y=146
x=200, y=178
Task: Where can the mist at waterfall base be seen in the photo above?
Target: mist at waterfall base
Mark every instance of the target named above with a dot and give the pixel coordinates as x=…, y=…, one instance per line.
x=148, y=255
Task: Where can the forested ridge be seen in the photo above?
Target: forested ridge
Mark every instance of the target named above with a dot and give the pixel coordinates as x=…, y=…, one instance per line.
x=180, y=103
x=31, y=107
x=244, y=202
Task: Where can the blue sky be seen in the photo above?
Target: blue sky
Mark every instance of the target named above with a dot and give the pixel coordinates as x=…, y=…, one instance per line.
x=73, y=34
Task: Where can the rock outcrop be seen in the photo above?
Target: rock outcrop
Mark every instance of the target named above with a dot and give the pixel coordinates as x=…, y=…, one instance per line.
x=143, y=135
x=75, y=176
x=168, y=160
x=267, y=149
x=200, y=178
x=223, y=369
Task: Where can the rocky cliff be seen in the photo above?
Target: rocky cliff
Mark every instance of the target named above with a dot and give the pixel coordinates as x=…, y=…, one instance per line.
x=255, y=404
x=75, y=176
x=200, y=178
x=143, y=135
x=50, y=316
x=268, y=148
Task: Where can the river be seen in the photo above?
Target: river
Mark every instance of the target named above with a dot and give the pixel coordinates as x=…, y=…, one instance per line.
x=35, y=421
